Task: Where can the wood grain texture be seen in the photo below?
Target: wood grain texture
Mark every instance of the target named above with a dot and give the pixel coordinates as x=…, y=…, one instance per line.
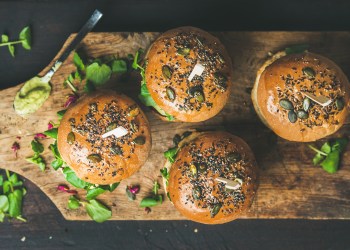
x=290, y=187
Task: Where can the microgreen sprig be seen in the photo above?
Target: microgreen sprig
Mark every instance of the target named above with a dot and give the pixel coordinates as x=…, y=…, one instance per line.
x=25, y=38
x=11, y=197
x=329, y=155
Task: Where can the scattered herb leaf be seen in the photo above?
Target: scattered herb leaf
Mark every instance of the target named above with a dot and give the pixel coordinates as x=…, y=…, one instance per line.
x=73, y=203
x=37, y=147
x=295, y=49
x=171, y=154
x=78, y=62
x=98, y=74
x=329, y=155
x=11, y=197
x=97, y=211
x=52, y=133
x=119, y=66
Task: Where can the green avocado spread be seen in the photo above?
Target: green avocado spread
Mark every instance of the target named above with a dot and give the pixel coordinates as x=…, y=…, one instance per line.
x=31, y=96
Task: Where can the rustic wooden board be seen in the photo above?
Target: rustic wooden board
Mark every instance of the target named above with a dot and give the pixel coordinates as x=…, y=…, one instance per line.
x=290, y=187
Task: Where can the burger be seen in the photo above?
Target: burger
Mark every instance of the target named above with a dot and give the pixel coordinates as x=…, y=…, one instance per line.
x=187, y=75
x=210, y=177
x=301, y=96
x=104, y=138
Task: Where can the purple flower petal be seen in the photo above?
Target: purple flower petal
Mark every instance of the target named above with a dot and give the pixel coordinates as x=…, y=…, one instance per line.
x=134, y=189
x=66, y=189
x=39, y=136
x=72, y=98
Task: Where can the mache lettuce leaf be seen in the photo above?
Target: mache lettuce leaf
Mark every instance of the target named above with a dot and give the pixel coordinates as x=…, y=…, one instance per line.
x=145, y=96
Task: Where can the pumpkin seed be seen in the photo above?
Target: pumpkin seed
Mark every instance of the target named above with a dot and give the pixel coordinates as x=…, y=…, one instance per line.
x=302, y=114
x=215, y=209
x=183, y=51
x=134, y=111
x=176, y=139
x=292, y=116
x=70, y=138
x=199, y=96
x=93, y=107
x=310, y=72
x=220, y=80
x=187, y=133
x=111, y=126
x=234, y=157
x=140, y=140
x=94, y=158
x=116, y=150
x=340, y=103
x=193, y=170
x=170, y=93
x=192, y=90
x=133, y=126
x=166, y=71
x=202, y=168
x=306, y=104
x=196, y=192
x=286, y=104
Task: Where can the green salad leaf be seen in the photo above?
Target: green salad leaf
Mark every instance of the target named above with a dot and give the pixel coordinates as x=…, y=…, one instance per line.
x=97, y=211
x=155, y=199
x=37, y=147
x=171, y=154
x=26, y=38
x=73, y=203
x=78, y=62
x=94, y=192
x=329, y=155
x=52, y=133
x=98, y=74
x=73, y=179
x=11, y=197
x=145, y=96
x=165, y=174
x=61, y=113
x=37, y=160
x=295, y=49
x=151, y=201
x=119, y=66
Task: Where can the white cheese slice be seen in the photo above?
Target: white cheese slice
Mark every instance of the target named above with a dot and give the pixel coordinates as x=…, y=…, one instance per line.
x=117, y=132
x=322, y=100
x=197, y=70
x=230, y=184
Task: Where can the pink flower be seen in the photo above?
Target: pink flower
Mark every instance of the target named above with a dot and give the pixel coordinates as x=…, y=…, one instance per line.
x=134, y=189
x=66, y=189
x=15, y=147
x=147, y=210
x=71, y=98
x=49, y=126
x=39, y=136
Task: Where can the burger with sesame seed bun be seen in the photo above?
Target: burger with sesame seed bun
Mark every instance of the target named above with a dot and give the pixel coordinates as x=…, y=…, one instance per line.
x=210, y=177
x=104, y=138
x=187, y=75
x=301, y=96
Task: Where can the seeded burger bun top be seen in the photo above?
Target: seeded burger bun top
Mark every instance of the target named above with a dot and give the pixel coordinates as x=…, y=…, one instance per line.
x=281, y=96
x=197, y=178
x=169, y=63
x=100, y=160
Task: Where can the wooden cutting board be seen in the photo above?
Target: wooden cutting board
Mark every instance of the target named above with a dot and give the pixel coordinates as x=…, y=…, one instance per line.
x=290, y=186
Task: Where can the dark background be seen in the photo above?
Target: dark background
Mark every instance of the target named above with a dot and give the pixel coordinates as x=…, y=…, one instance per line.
x=53, y=21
